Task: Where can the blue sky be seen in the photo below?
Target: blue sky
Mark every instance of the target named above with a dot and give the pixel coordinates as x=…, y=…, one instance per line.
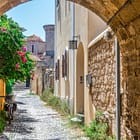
x=33, y=15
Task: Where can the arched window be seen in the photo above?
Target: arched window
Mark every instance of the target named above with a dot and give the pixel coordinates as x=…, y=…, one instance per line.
x=57, y=70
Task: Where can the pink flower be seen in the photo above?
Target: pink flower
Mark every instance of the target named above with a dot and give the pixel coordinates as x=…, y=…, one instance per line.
x=3, y=29
x=33, y=76
x=24, y=60
x=24, y=48
x=17, y=65
x=22, y=54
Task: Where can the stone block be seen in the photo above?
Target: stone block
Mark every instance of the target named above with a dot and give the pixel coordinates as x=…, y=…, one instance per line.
x=136, y=5
x=138, y=43
x=136, y=24
x=126, y=15
x=131, y=30
x=123, y=33
x=137, y=71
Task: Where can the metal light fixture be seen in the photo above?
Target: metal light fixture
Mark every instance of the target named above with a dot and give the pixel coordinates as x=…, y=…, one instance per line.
x=72, y=44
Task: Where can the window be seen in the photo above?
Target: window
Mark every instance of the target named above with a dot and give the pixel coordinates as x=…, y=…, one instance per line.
x=58, y=63
x=33, y=48
x=65, y=8
x=57, y=70
x=66, y=64
x=58, y=9
x=58, y=13
x=63, y=68
x=56, y=67
x=57, y=3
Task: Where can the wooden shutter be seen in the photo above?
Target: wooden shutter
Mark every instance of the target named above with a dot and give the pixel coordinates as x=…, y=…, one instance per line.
x=63, y=66
x=58, y=73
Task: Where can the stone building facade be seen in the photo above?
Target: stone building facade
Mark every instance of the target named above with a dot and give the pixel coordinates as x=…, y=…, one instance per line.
x=44, y=50
x=74, y=64
x=94, y=56
x=37, y=79
x=36, y=46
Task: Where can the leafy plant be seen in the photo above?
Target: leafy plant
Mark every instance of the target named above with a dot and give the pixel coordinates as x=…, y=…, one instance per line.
x=14, y=60
x=97, y=130
x=55, y=102
x=2, y=121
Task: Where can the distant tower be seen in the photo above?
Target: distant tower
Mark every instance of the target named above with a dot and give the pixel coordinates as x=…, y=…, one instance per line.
x=49, y=39
x=49, y=36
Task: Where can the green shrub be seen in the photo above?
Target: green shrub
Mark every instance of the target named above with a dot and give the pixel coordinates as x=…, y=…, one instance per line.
x=55, y=102
x=97, y=130
x=2, y=121
x=15, y=62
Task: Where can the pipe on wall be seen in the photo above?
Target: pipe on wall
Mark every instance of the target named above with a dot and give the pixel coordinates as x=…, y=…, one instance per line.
x=117, y=54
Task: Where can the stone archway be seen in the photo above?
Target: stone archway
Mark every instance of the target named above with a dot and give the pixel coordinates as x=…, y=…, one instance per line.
x=80, y=80
x=124, y=18
x=6, y=5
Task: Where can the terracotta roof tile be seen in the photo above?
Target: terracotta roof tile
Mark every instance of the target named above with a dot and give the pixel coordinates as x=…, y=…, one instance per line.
x=34, y=38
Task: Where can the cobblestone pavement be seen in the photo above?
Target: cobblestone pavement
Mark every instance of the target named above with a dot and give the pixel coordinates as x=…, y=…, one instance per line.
x=34, y=121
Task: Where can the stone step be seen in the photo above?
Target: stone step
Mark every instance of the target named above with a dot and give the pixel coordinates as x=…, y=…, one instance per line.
x=80, y=116
x=75, y=119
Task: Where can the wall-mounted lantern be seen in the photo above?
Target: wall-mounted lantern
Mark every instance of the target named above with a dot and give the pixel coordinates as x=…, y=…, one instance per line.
x=72, y=44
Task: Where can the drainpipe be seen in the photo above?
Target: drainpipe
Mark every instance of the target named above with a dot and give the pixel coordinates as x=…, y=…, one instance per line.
x=55, y=52
x=117, y=51
x=73, y=34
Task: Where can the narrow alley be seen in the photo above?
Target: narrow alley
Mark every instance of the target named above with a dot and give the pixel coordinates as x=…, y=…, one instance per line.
x=34, y=121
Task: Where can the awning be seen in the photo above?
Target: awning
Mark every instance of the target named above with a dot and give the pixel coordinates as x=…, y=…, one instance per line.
x=6, y=5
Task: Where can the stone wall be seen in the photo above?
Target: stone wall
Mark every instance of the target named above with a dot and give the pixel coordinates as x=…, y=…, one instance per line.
x=130, y=50
x=49, y=79
x=37, y=82
x=102, y=69
x=39, y=47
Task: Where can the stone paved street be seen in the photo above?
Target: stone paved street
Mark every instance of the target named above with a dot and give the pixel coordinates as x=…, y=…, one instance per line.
x=34, y=121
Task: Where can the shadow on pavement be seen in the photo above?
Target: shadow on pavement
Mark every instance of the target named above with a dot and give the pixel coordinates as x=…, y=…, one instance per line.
x=3, y=137
x=21, y=123
x=19, y=102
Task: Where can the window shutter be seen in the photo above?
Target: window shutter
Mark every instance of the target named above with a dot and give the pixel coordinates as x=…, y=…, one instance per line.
x=63, y=68
x=58, y=73
x=65, y=64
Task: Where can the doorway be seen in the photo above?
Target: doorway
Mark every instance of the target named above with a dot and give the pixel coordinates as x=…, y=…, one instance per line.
x=80, y=80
